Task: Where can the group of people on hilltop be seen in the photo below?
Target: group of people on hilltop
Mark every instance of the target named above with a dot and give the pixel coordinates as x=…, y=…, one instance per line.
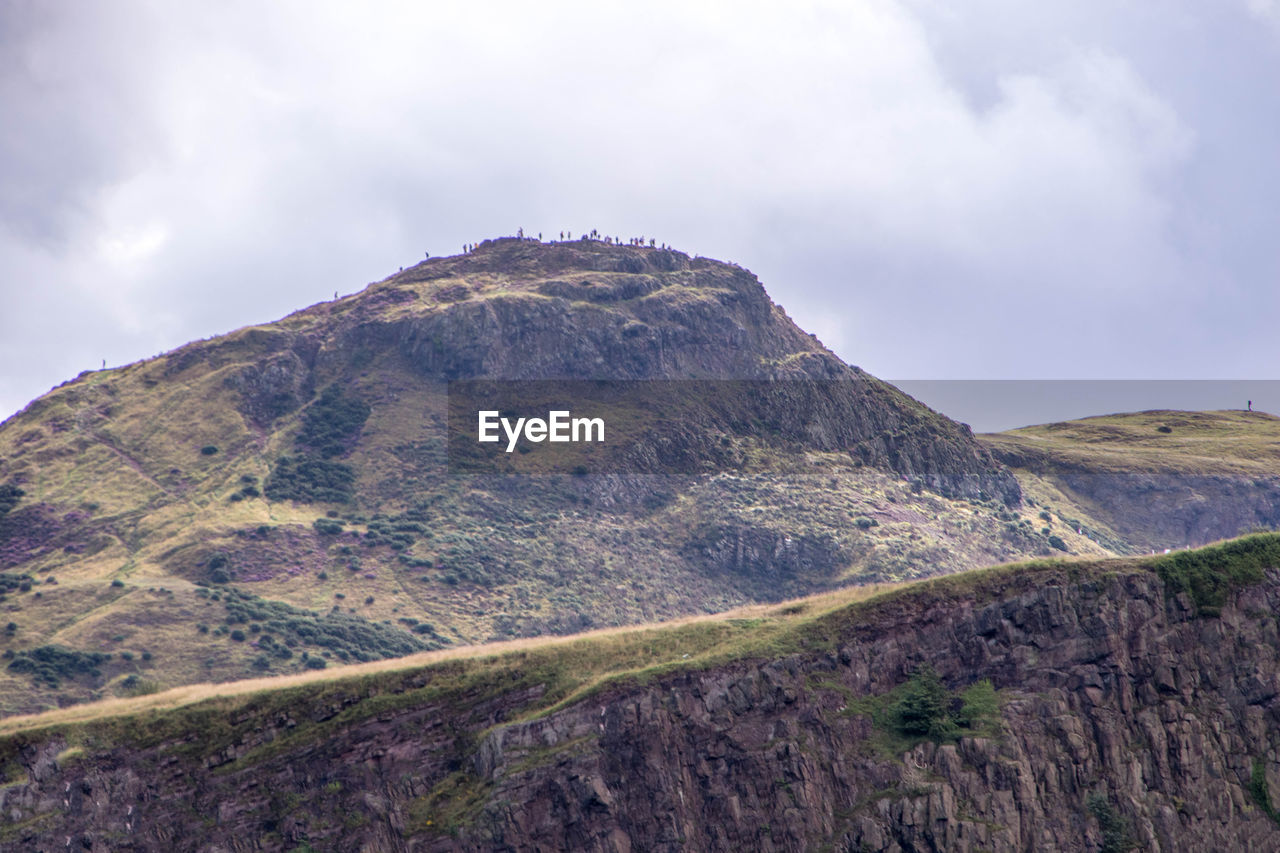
x=567, y=236
x=616, y=241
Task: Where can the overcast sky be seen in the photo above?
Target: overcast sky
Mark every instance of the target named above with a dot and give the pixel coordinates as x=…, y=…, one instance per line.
x=990, y=189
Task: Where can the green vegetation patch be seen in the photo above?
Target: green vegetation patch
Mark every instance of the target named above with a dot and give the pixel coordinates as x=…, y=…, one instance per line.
x=1117, y=837
x=327, y=526
x=331, y=422
x=1209, y=575
x=9, y=497
x=1260, y=791
x=48, y=665
x=330, y=426
x=309, y=480
x=922, y=708
x=281, y=628
x=10, y=582
x=450, y=806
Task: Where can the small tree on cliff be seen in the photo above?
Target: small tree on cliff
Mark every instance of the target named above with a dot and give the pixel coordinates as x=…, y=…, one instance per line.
x=925, y=706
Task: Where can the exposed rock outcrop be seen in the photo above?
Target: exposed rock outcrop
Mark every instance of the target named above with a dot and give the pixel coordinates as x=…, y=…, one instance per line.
x=518, y=309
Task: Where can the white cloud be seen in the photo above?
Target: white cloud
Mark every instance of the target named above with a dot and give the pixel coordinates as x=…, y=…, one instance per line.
x=882, y=165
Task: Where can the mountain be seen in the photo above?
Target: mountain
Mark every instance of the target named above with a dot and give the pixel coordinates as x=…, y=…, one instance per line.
x=282, y=497
x=269, y=551
x=287, y=497
x=1083, y=705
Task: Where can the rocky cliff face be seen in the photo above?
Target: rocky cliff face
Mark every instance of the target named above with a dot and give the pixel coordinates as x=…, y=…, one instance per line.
x=1159, y=509
x=1129, y=719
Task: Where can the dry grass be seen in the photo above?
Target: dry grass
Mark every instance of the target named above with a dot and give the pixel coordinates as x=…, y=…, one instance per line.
x=1197, y=443
x=780, y=614
x=567, y=668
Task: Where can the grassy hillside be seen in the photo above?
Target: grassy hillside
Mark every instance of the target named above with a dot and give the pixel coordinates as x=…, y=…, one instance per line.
x=566, y=669
x=278, y=499
x=302, y=463
x=164, y=608
x=1157, y=479
x=1190, y=443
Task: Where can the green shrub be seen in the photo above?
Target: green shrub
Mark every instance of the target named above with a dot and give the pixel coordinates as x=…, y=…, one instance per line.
x=1260, y=791
x=1055, y=541
x=309, y=480
x=48, y=665
x=354, y=635
x=924, y=707
x=9, y=496
x=327, y=526
x=132, y=685
x=1116, y=836
x=864, y=523
x=10, y=582
x=979, y=705
x=117, y=582
x=209, y=450
x=409, y=527
x=330, y=422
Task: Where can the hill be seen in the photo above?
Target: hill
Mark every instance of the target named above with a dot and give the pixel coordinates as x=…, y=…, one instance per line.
x=1051, y=706
x=1156, y=479
x=282, y=497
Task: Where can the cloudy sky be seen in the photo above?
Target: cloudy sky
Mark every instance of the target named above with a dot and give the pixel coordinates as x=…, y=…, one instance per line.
x=985, y=190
